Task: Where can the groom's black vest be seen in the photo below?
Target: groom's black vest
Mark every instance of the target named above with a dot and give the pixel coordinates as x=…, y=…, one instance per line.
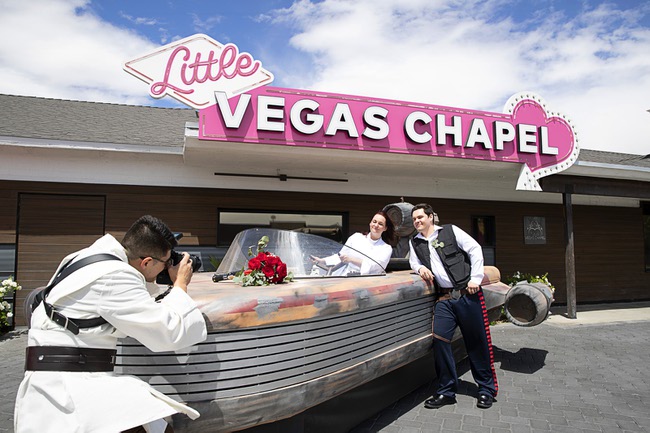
x=455, y=261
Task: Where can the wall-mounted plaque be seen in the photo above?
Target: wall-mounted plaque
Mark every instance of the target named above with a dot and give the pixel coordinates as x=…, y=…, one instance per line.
x=534, y=230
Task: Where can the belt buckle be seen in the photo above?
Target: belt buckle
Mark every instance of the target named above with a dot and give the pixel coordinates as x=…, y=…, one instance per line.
x=455, y=294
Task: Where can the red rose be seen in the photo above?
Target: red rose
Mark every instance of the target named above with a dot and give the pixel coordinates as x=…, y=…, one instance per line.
x=254, y=264
x=261, y=256
x=268, y=271
x=273, y=260
x=281, y=270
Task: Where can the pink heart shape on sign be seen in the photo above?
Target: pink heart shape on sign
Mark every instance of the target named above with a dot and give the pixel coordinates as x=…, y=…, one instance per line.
x=555, y=152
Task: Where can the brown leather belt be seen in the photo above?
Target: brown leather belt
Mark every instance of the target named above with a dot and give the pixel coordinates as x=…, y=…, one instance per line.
x=76, y=359
x=446, y=294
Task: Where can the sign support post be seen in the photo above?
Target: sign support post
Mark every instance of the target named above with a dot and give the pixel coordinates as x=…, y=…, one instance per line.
x=569, y=255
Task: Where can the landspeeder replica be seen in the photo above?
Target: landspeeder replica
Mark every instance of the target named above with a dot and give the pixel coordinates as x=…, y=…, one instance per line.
x=275, y=351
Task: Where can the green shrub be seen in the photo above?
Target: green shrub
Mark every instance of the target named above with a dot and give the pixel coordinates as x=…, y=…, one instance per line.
x=520, y=276
x=7, y=287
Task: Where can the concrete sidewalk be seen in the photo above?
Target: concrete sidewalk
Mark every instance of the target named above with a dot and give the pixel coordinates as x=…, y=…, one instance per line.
x=601, y=313
x=565, y=375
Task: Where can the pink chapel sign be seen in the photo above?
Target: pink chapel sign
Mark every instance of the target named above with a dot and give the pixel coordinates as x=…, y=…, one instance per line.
x=235, y=105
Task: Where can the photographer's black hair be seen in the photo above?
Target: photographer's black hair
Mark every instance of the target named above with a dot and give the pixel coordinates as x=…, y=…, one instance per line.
x=148, y=237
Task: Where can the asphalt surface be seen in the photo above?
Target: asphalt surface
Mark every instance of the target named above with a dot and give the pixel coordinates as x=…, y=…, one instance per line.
x=588, y=374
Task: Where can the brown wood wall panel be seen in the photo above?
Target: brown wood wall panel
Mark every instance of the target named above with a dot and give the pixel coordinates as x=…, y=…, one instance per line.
x=511, y=253
x=604, y=273
x=51, y=226
x=194, y=212
x=609, y=254
x=8, y=203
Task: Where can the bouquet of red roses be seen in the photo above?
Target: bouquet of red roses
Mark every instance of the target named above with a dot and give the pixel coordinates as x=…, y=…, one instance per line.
x=264, y=268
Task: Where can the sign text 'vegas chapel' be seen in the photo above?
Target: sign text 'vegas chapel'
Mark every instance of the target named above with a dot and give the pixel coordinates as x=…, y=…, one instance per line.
x=229, y=88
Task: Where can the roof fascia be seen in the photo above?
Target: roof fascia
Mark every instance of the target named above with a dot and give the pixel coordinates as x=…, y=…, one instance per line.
x=88, y=145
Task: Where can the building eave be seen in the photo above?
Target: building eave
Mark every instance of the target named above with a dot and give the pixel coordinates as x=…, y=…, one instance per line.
x=606, y=170
x=37, y=143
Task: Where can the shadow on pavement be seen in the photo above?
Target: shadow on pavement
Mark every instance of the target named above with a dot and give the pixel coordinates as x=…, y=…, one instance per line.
x=525, y=360
x=12, y=335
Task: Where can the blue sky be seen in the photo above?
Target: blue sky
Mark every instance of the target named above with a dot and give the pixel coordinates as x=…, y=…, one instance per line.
x=589, y=60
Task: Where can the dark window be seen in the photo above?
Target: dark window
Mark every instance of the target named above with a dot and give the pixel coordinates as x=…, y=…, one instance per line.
x=646, y=234
x=7, y=268
x=7, y=260
x=232, y=221
x=484, y=231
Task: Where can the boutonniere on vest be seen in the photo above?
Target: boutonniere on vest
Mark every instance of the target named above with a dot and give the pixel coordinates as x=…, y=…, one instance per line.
x=435, y=244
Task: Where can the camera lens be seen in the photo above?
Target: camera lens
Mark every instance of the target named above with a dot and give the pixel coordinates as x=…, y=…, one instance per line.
x=196, y=262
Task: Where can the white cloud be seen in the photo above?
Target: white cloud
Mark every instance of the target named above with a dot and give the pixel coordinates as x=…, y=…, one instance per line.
x=146, y=21
x=204, y=25
x=66, y=52
x=593, y=67
x=592, y=64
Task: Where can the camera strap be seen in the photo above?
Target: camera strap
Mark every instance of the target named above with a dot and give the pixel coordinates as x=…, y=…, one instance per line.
x=72, y=325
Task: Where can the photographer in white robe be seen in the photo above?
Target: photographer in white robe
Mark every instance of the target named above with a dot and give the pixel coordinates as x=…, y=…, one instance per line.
x=57, y=394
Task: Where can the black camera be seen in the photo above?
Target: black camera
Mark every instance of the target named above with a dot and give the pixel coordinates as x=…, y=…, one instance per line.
x=176, y=257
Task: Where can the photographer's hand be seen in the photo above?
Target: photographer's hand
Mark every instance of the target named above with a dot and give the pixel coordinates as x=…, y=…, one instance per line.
x=181, y=274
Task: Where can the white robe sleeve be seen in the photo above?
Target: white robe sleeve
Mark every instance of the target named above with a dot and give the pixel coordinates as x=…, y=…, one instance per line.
x=377, y=261
x=172, y=324
x=332, y=260
x=374, y=256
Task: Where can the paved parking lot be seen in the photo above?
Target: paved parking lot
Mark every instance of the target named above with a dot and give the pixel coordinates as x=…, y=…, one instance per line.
x=584, y=375
x=12, y=360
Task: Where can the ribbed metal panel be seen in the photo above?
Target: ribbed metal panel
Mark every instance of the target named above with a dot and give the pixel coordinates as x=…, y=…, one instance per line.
x=253, y=360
